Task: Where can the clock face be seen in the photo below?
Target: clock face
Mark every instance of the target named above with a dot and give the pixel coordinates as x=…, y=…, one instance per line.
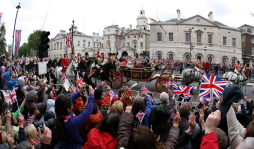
x=198, y=20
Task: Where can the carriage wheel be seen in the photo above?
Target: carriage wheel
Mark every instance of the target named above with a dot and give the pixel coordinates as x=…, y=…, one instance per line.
x=160, y=85
x=117, y=80
x=125, y=80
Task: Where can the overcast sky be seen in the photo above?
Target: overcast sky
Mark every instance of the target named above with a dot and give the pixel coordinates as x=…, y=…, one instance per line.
x=93, y=15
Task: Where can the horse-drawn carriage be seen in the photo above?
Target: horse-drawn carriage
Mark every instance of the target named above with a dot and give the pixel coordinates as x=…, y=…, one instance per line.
x=147, y=74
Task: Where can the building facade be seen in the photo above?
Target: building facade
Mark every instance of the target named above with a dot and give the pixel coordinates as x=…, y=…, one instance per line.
x=83, y=44
x=211, y=40
x=130, y=44
x=247, y=41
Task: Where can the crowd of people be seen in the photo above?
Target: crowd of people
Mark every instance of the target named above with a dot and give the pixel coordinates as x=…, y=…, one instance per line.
x=47, y=117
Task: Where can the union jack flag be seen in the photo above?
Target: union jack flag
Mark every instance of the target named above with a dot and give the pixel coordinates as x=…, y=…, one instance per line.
x=179, y=89
x=73, y=89
x=158, y=24
x=187, y=95
x=9, y=96
x=68, y=39
x=0, y=16
x=191, y=46
x=121, y=35
x=116, y=46
x=64, y=76
x=168, y=84
x=139, y=33
x=29, y=120
x=80, y=81
x=145, y=89
x=211, y=86
x=18, y=67
x=17, y=42
x=140, y=115
x=112, y=94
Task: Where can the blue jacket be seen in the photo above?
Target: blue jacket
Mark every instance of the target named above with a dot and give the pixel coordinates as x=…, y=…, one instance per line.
x=148, y=111
x=10, y=83
x=73, y=124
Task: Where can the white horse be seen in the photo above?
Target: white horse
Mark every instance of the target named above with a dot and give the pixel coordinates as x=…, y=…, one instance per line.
x=191, y=75
x=69, y=71
x=236, y=78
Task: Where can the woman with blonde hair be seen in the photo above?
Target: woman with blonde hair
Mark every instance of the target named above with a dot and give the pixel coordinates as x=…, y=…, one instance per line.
x=32, y=136
x=117, y=107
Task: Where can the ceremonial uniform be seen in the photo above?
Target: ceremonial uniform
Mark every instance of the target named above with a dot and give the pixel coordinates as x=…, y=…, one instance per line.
x=198, y=66
x=237, y=68
x=65, y=64
x=207, y=67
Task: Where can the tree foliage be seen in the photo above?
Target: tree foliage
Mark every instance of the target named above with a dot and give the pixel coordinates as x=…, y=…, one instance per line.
x=24, y=50
x=2, y=39
x=34, y=40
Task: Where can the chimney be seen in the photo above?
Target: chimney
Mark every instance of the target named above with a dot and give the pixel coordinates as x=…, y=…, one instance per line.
x=93, y=33
x=210, y=15
x=178, y=15
x=75, y=28
x=130, y=27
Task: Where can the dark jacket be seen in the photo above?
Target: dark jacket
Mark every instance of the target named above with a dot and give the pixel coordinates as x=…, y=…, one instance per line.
x=41, y=106
x=159, y=118
x=123, y=133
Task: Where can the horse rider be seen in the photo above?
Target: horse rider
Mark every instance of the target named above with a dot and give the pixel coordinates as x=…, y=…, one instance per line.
x=207, y=67
x=237, y=67
x=198, y=66
x=65, y=64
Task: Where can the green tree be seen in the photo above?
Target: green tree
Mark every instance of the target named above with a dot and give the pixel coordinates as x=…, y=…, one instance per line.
x=24, y=50
x=2, y=39
x=34, y=40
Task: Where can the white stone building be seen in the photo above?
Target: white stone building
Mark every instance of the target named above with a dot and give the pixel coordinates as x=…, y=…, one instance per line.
x=83, y=44
x=211, y=39
x=130, y=45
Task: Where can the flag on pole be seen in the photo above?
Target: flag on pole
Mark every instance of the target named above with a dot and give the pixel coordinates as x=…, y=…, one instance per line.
x=64, y=76
x=191, y=46
x=211, y=86
x=250, y=13
x=1, y=16
x=121, y=35
x=116, y=46
x=17, y=42
x=145, y=89
x=140, y=115
x=97, y=53
x=9, y=96
x=158, y=24
x=139, y=33
x=66, y=48
x=73, y=89
x=68, y=40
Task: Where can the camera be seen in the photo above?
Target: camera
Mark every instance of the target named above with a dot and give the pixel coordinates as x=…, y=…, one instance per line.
x=7, y=109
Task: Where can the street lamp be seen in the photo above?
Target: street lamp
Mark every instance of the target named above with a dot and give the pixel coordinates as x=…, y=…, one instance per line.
x=18, y=7
x=72, y=43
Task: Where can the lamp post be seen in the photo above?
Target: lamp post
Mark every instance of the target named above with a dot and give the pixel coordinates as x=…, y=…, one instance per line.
x=117, y=31
x=18, y=7
x=72, y=43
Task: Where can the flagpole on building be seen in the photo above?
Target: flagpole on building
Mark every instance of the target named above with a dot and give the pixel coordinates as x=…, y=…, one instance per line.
x=12, y=49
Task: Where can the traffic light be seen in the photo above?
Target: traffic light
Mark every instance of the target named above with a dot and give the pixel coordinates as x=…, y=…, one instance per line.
x=43, y=48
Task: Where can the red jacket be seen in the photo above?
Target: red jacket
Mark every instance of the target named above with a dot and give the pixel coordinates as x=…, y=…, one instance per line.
x=209, y=141
x=100, y=140
x=65, y=64
x=207, y=66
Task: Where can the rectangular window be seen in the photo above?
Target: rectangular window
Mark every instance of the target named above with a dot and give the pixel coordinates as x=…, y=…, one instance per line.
x=94, y=45
x=224, y=40
x=109, y=45
x=97, y=45
x=243, y=50
x=252, y=51
x=170, y=36
x=78, y=43
x=134, y=36
x=101, y=45
x=141, y=36
x=108, y=30
x=60, y=45
x=88, y=44
x=108, y=37
x=54, y=46
x=128, y=36
x=242, y=39
x=158, y=36
x=198, y=37
x=210, y=39
x=233, y=42
x=135, y=45
x=57, y=45
x=84, y=43
x=128, y=44
x=141, y=44
x=252, y=40
x=187, y=37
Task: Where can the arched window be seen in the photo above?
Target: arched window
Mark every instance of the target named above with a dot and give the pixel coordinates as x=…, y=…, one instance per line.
x=159, y=55
x=233, y=62
x=210, y=59
x=187, y=58
x=199, y=57
x=170, y=57
x=224, y=60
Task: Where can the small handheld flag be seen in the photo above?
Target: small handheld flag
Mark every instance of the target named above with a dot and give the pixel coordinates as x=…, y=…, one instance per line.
x=145, y=89
x=140, y=115
x=168, y=84
x=64, y=76
x=187, y=95
x=9, y=96
x=112, y=94
x=80, y=81
x=73, y=89
x=179, y=89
